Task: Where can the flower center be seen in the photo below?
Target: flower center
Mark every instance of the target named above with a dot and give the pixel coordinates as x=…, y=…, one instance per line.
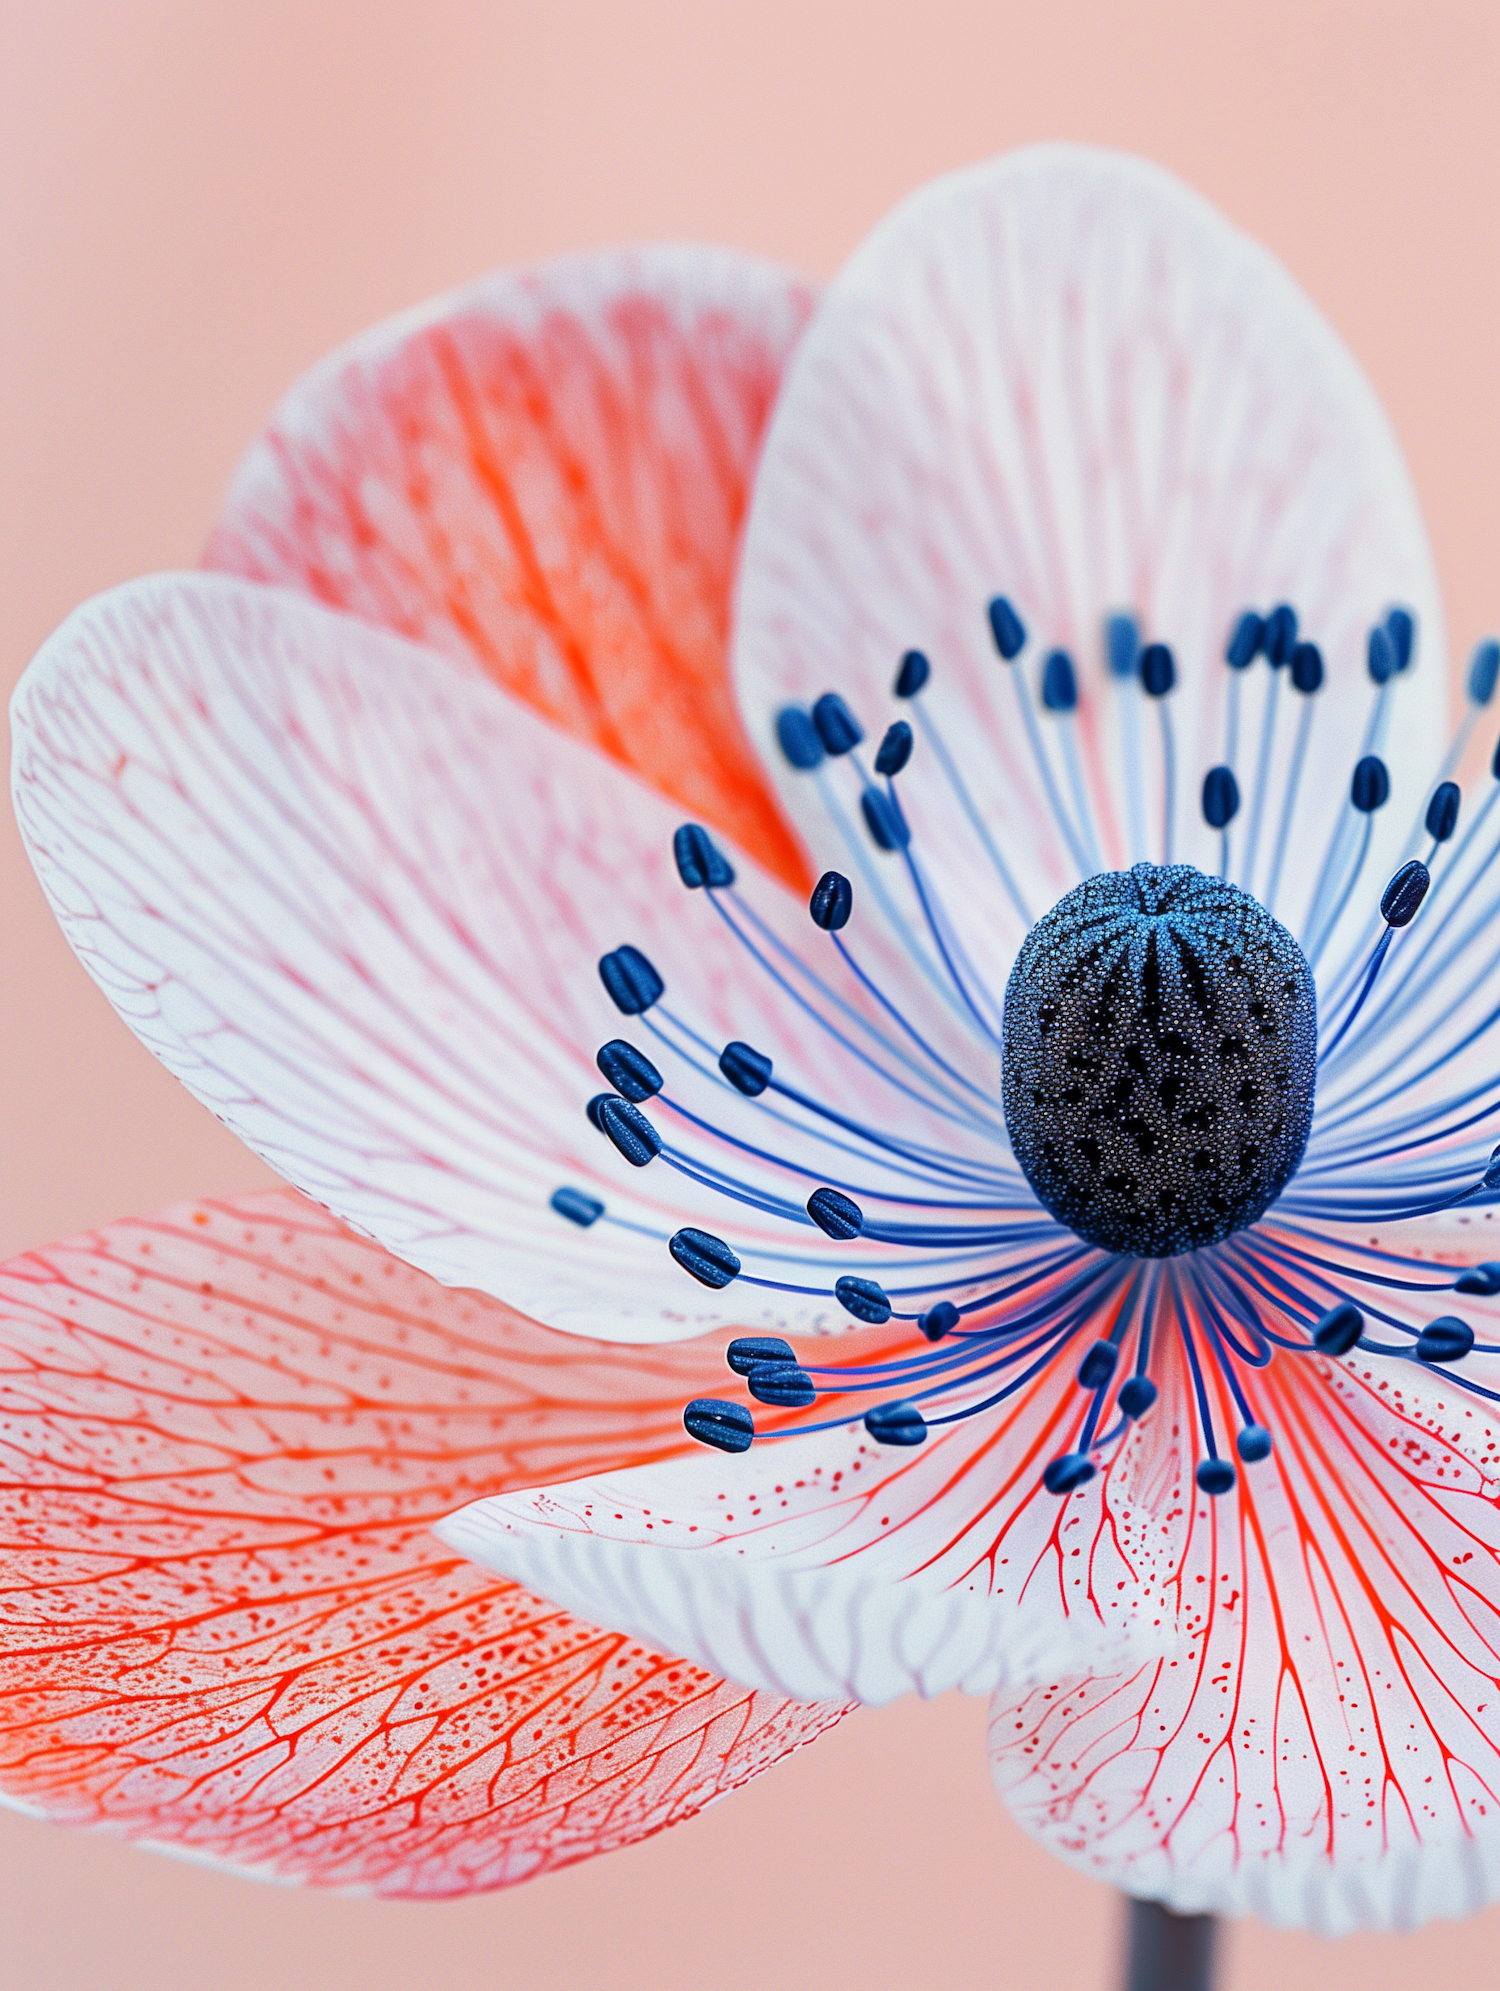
x=1158, y=1049
x=1159, y=1054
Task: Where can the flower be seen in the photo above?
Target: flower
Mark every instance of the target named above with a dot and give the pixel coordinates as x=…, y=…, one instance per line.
x=1119, y=1063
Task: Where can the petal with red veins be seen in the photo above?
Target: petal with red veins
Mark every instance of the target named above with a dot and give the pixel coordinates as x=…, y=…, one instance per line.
x=355, y=900
x=1062, y=377
x=826, y=1565
x=546, y=474
x=228, y=1628
x=1321, y=1747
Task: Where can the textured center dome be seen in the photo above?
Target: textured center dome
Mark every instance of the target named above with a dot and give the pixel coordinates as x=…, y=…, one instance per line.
x=1159, y=1058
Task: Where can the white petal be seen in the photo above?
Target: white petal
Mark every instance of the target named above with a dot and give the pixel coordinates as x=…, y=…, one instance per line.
x=1062, y=377
x=830, y=1565
x=1321, y=1748
x=354, y=898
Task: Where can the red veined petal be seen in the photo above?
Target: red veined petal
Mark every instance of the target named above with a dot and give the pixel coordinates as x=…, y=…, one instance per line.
x=1321, y=1747
x=1060, y=376
x=546, y=473
x=228, y=1628
x=355, y=899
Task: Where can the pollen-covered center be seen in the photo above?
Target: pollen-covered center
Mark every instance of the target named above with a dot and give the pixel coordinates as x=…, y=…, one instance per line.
x=1159, y=1050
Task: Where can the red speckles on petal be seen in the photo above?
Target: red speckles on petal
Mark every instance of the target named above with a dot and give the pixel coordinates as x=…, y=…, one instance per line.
x=227, y=1625
x=1314, y=1747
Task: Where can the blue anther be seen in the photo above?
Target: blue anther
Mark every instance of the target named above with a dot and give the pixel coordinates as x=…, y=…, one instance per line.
x=837, y=726
x=1253, y=1444
x=1158, y=672
x=1122, y=644
x=938, y=1320
x=1215, y=1476
x=1492, y=1172
x=593, y=1109
x=832, y=902
x=577, y=1207
x=1246, y=640
x=1097, y=1366
x=899, y=1423
x=1401, y=627
x=1307, y=668
x=864, y=1299
x=1484, y=668
x=699, y=859
x=707, y=1257
x=1007, y=628
x=1136, y=1396
x=728, y=1427
x=798, y=739
x=1442, y=811
x=1059, y=682
x=884, y=820
x=632, y=982
x=1447, y=1339
x=1280, y=636
x=783, y=1384
x=1067, y=1474
x=747, y=1070
x=1221, y=797
x=1380, y=656
x=911, y=674
x=1406, y=891
x=628, y=1070
x=1479, y=1279
x=1339, y=1329
x=894, y=750
x=753, y=1351
x=835, y=1214
x=1371, y=785
x=629, y=1129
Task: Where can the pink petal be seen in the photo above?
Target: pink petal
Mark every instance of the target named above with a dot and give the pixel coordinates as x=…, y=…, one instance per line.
x=1062, y=377
x=228, y=1628
x=546, y=474
x=1321, y=1749
x=355, y=899
x=826, y=1565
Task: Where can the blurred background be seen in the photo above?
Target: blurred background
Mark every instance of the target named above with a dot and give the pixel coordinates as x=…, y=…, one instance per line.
x=199, y=198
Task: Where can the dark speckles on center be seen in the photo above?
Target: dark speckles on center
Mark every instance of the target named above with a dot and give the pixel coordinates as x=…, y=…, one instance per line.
x=1159, y=1059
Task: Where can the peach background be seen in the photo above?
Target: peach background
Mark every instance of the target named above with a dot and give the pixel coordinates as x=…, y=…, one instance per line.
x=200, y=197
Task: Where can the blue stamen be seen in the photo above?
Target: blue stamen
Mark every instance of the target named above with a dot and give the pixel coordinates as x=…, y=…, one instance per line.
x=1442, y=812
x=836, y=725
x=699, y=860
x=884, y=820
x=1447, y=1339
x=836, y=1215
x=628, y=1070
x=1007, y=628
x=576, y=1206
x=1246, y=640
x=798, y=739
x=747, y=1070
x=832, y=902
x=631, y=981
x=728, y=1427
x=629, y=1129
x=750, y=1351
x=783, y=1384
x=1401, y=627
x=1059, y=682
x=911, y=675
x=895, y=749
x=863, y=1298
x=708, y=1258
x=1280, y=637
x=899, y=1423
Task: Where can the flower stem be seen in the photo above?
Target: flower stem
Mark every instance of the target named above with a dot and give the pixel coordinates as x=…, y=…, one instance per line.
x=1167, y=1952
